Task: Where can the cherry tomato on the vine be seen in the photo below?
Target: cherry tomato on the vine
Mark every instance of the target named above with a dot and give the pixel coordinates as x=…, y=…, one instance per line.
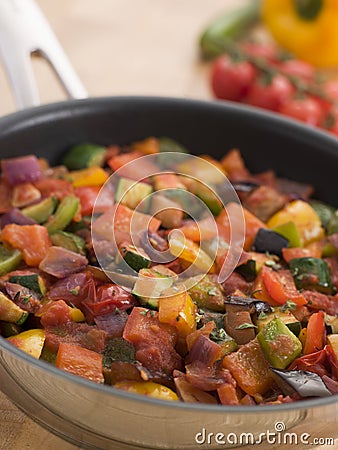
x=271, y=93
x=297, y=68
x=306, y=109
x=230, y=80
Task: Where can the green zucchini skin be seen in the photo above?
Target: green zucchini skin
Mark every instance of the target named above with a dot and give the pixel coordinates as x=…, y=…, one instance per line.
x=311, y=273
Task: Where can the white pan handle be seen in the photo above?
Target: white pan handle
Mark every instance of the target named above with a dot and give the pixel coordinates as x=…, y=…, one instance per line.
x=23, y=31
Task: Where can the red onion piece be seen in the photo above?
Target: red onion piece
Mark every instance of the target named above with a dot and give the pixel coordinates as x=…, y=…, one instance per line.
x=113, y=323
x=21, y=170
x=61, y=262
x=14, y=215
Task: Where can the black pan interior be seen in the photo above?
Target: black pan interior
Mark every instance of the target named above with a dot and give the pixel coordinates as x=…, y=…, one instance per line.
x=267, y=141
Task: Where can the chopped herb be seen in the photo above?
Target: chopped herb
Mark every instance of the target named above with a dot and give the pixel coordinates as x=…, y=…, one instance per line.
x=212, y=291
x=116, y=310
x=272, y=264
x=262, y=315
x=219, y=335
x=289, y=306
x=244, y=326
x=75, y=291
x=26, y=299
x=145, y=312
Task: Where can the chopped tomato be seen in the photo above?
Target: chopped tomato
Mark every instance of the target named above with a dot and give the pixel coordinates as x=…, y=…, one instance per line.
x=110, y=297
x=32, y=240
x=154, y=341
x=80, y=361
x=315, y=333
x=314, y=249
x=252, y=225
x=89, y=197
x=117, y=161
x=199, y=231
x=54, y=314
x=281, y=287
x=53, y=186
x=313, y=362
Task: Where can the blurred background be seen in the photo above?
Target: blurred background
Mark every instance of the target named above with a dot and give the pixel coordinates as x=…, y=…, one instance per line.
x=122, y=47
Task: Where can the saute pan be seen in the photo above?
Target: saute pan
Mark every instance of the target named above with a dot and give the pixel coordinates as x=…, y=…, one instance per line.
x=100, y=417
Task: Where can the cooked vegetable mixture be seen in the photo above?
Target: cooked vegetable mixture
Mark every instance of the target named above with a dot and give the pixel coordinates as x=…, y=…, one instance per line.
x=268, y=334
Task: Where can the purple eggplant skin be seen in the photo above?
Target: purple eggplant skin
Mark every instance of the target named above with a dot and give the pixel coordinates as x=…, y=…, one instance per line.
x=269, y=241
x=304, y=383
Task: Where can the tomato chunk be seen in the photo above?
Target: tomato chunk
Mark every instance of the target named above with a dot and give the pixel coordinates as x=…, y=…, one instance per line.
x=32, y=240
x=80, y=361
x=281, y=287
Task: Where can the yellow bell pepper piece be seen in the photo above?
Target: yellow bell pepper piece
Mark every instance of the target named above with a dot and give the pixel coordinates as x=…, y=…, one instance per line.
x=93, y=176
x=305, y=218
x=76, y=314
x=179, y=311
x=30, y=341
x=189, y=251
x=307, y=28
x=148, y=388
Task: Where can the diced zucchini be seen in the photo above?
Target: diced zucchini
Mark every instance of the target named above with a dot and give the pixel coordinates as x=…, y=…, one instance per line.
x=135, y=257
x=269, y=241
x=64, y=214
x=31, y=281
x=332, y=226
x=11, y=312
x=130, y=193
x=311, y=273
x=285, y=316
x=206, y=293
x=150, y=284
x=8, y=329
x=42, y=210
x=30, y=341
x=70, y=241
x=170, y=145
x=279, y=344
x=324, y=211
x=9, y=259
x=208, y=196
x=84, y=155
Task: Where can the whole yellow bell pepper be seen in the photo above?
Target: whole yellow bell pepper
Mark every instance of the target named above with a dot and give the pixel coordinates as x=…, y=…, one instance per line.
x=307, y=28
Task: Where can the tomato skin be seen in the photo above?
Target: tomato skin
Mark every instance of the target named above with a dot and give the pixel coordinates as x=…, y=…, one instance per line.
x=305, y=109
x=89, y=197
x=53, y=186
x=333, y=116
x=299, y=69
x=281, y=287
x=80, y=361
x=270, y=96
x=231, y=80
x=263, y=51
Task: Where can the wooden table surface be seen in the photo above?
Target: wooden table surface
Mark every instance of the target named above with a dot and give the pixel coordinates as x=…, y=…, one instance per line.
x=119, y=47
